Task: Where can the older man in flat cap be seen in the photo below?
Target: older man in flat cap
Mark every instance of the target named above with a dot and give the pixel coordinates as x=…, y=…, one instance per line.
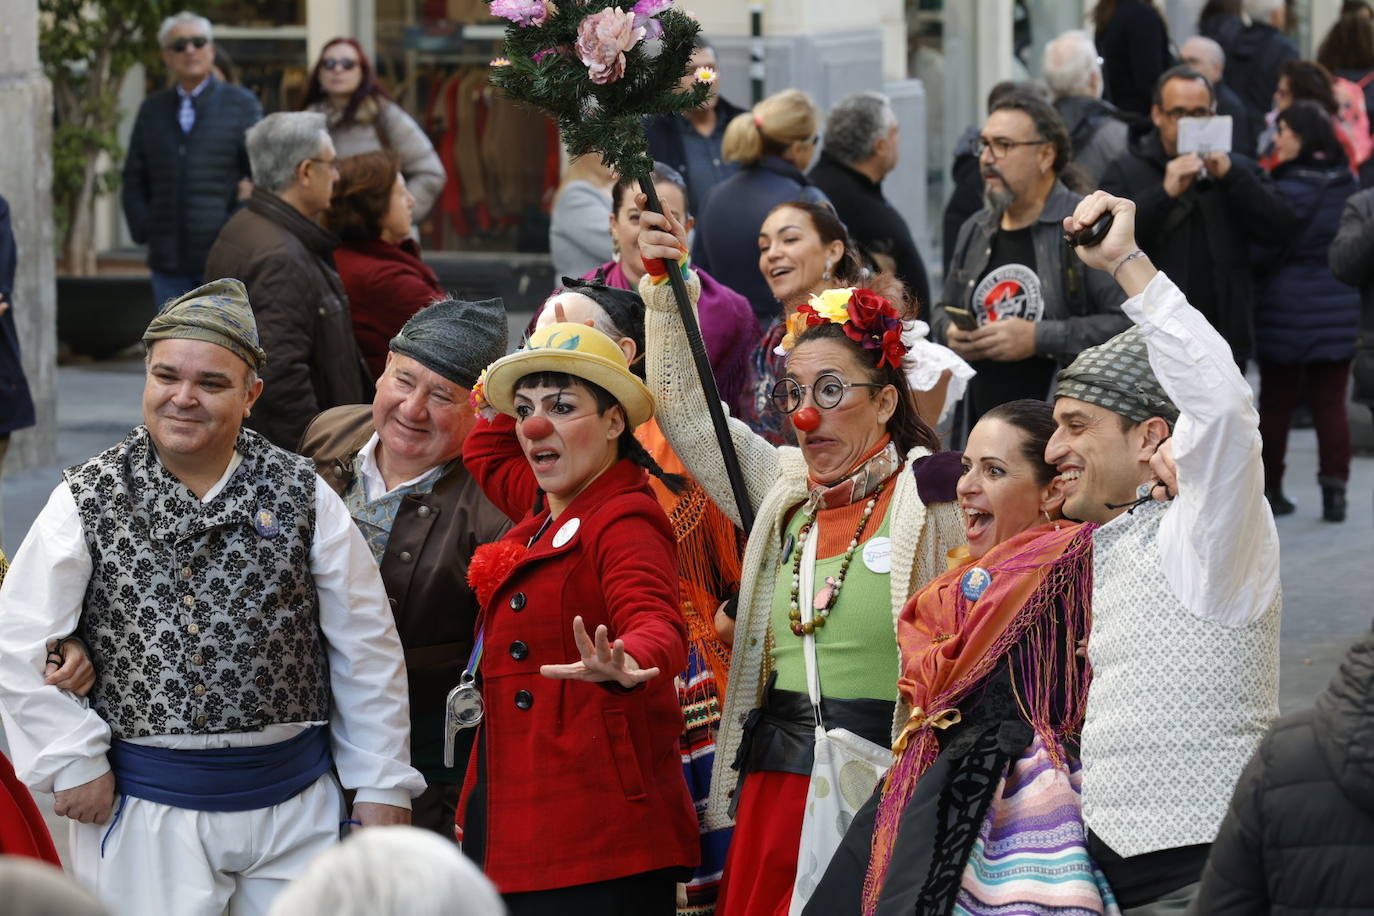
x=398, y=466
x=1185, y=636
x=240, y=634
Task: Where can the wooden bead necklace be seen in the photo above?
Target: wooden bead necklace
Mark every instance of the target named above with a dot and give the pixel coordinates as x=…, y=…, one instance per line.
x=826, y=597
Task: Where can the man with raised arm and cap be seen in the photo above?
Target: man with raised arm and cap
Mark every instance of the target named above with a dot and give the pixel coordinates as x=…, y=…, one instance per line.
x=398, y=465
x=1186, y=603
x=239, y=629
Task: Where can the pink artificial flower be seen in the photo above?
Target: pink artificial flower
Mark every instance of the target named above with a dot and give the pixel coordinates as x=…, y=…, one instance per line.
x=602, y=40
x=651, y=7
x=521, y=12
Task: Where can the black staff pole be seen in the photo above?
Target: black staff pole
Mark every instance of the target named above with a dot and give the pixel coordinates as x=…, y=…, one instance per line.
x=708, y=379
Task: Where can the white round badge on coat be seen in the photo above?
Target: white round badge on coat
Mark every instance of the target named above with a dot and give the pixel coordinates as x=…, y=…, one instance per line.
x=878, y=555
x=565, y=534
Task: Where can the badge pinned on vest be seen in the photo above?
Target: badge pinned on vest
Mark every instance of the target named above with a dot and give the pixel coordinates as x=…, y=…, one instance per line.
x=265, y=523
x=975, y=582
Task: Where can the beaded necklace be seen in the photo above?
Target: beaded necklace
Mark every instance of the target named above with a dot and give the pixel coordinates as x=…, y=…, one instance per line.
x=826, y=597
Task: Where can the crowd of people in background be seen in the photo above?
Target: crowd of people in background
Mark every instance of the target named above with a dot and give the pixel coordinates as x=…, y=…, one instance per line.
x=509, y=598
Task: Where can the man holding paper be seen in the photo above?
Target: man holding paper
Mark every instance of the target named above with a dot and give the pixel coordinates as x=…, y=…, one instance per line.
x=1199, y=205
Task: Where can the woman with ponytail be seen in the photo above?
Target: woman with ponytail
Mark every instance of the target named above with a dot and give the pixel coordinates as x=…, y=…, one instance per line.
x=580, y=635
x=774, y=144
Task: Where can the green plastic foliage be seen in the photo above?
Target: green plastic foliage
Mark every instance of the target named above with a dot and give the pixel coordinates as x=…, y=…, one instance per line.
x=544, y=71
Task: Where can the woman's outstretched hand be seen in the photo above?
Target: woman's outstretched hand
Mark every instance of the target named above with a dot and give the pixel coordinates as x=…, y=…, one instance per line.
x=661, y=237
x=602, y=660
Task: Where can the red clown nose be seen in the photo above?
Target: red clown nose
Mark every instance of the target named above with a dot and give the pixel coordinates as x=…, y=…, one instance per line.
x=536, y=428
x=806, y=419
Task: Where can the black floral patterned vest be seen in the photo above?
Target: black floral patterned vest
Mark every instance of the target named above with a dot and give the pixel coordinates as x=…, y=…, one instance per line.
x=202, y=618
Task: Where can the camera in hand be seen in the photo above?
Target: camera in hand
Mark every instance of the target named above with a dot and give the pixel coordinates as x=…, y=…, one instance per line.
x=1092, y=235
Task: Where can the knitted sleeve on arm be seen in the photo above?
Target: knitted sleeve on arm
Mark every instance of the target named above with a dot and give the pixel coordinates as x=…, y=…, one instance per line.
x=682, y=411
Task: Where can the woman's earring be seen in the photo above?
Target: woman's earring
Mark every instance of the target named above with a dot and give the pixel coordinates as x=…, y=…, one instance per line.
x=826, y=275
x=1048, y=520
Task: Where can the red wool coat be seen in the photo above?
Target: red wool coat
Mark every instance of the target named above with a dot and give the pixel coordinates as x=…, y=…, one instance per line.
x=577, y=782
x=386, y=285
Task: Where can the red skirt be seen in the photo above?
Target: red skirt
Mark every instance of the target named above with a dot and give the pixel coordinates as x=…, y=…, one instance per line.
x=22, y=830
x=762, y=864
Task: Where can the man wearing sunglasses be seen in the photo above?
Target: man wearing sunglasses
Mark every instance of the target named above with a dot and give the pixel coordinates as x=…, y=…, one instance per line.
x=1025, y=304
x=1196, y=216
x=186, y=157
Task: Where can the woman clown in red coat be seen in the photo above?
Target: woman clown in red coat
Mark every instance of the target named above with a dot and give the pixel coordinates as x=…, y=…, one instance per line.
x=574, y=800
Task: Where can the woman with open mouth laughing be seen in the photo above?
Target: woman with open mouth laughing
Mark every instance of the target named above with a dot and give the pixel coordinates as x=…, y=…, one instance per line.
x=578, y=714
x=980, y=811
x=845, y=533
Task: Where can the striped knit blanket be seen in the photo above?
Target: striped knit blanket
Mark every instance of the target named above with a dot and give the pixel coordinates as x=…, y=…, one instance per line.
x=1031, y=855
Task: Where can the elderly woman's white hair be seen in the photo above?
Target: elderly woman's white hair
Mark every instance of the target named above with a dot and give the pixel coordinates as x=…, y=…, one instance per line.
x=399, y=871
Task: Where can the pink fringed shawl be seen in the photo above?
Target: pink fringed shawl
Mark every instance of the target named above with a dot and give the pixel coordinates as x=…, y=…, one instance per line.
x=950, y=645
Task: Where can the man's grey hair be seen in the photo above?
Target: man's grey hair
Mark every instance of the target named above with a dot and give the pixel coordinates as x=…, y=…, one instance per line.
x=280, y=142
x=1261, y=10
x=390, y=870
x=1070, y=64
x=184, y=17
x=856, y=124
x=1215, y=54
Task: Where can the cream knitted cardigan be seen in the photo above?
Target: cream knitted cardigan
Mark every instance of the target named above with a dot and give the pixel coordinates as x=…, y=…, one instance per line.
x=776, y=479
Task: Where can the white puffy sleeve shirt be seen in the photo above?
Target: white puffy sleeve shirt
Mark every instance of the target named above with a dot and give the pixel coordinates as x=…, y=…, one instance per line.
x=58, y=742
x=1218, y=544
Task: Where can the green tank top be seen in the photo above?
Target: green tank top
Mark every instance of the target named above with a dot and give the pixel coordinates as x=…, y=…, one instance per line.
x=856, y=650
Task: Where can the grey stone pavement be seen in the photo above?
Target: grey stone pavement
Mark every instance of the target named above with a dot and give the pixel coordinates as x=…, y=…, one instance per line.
x=1328, y=601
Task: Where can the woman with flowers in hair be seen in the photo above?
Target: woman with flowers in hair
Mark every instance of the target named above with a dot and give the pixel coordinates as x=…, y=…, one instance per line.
x=849, y=525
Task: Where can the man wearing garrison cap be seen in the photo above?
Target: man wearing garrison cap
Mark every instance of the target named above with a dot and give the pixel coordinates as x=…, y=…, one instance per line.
x=243, y=649
x=1185, y=635
x=397, y=464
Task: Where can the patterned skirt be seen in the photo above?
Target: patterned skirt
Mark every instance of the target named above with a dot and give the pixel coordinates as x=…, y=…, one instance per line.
x=700, y=699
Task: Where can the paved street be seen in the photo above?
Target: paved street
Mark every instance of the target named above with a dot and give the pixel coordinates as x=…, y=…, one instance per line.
x=1327, y=599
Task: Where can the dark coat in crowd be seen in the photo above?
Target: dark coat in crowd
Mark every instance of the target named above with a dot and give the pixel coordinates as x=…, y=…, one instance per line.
x=1202, y=238
x=16, y=406
x=286, y=262
x=1303, y=313
x=1246, y=125
x=1352, y=260
x=425, y=571
x=179, y=188
x=967, y=197
x=1099, y=131
x=664, y=133
x=873, y=223
x=727, y=236
x=1299, y=838
x=1254, y=54
x=1134, y=45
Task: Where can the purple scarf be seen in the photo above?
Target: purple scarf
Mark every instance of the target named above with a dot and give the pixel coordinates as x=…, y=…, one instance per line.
x=728, y=326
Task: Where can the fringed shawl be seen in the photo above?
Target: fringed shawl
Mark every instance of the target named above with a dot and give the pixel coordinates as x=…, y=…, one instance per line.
x=1039, y=599
x=708, y=553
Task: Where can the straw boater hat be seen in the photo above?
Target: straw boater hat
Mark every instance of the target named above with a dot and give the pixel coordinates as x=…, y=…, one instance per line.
x=576, y=350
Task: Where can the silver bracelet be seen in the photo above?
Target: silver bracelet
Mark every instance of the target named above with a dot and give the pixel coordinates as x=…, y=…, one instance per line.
x=1122, y=263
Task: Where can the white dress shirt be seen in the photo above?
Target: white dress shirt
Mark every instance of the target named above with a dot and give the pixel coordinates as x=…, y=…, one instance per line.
x=374, y=484
x=1218, y=544
x=58, y=742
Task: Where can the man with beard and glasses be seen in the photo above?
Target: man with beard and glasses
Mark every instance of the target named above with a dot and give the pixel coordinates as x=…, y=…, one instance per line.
x=1035, y=305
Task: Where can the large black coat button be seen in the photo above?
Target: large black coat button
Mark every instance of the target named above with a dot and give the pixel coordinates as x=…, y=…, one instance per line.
x=519, y=651
x=517, y=601
x=523, y=699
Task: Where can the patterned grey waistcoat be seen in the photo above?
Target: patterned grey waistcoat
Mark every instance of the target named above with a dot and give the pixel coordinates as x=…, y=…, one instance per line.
x=202, y=618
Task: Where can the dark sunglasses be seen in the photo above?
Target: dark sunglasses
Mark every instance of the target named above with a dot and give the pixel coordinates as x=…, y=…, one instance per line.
x=338, y=63
x=180, y=44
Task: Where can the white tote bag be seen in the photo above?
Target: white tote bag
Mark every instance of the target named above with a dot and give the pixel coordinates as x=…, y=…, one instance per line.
x=845, y=773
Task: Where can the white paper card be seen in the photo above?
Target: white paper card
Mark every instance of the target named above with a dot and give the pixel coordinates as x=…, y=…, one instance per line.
x=1204, y=135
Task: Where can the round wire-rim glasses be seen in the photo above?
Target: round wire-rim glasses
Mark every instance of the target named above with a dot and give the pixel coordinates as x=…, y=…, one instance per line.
x=826, y=391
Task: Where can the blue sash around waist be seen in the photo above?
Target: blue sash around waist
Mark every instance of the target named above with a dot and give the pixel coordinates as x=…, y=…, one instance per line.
x=224, y=778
